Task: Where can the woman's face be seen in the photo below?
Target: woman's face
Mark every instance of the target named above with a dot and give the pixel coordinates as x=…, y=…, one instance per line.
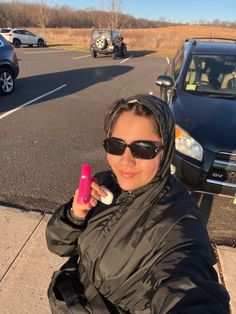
x=133, y=173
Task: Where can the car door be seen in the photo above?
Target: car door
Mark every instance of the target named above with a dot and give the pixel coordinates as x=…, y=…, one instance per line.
x=22, y=36
x=32, y=39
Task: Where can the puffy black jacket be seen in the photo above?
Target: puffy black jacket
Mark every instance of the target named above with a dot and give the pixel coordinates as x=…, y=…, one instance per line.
x=147, y=252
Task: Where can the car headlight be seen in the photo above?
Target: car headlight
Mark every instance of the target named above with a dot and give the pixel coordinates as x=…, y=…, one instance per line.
x=187, y=145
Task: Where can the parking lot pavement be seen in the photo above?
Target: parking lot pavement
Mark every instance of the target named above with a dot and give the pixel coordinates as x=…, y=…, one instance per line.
x=26, y=265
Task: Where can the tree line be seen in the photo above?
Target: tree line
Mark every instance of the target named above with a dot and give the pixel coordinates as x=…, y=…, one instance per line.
x=40, y=14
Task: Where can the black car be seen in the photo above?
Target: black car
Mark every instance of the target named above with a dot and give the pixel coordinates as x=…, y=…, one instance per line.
x=107, y=41
x=9, y=68
x=200, y=87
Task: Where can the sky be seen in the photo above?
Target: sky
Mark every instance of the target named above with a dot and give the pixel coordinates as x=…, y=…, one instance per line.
x=184, y=11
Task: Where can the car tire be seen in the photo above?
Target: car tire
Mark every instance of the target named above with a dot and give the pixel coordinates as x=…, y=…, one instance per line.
x=40, y=43
x=7, y=82
x=124, y=51
x=114, y=54
x=16, y=43
x=94, y=54
x=101, y=42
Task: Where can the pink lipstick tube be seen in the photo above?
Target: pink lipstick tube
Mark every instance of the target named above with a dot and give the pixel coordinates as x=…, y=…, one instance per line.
x=84, y=184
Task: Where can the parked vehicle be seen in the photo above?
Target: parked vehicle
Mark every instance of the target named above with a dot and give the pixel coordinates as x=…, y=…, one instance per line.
x=200, y=87
x=9, y=68
x=19, y=37
x=107, y=41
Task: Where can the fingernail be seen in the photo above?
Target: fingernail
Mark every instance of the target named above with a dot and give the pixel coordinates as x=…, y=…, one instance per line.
x=103, y=192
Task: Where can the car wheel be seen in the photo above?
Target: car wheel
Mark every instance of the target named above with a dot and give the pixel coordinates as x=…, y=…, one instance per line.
x=94, y=54
x=7, y=82
x=124, y=51
x=40, y=43
x=114, y=55
x=16, y=43
x=101, y=42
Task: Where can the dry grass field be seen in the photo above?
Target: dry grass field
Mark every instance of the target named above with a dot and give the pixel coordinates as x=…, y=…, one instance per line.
x=160, y=41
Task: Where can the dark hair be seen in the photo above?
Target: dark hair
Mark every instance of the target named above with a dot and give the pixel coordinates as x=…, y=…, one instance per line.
x=123, y=105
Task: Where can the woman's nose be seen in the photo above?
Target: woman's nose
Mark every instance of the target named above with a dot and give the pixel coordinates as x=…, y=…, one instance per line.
x=127, y=158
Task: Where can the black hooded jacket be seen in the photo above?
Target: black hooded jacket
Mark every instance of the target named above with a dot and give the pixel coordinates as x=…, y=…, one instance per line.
x=147, y=252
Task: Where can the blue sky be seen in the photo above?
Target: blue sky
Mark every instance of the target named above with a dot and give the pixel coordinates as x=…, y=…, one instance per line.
x=170, y=10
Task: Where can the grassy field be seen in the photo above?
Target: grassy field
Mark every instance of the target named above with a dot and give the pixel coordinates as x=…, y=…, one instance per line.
x=159, y=41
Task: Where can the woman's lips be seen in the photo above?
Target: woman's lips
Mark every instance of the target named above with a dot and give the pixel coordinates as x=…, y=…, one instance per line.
x=127, y=174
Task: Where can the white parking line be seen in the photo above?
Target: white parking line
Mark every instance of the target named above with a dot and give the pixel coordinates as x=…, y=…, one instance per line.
x=168, y=60
x=31, y=101
x=46, y=51
x=127, y=59
x=81, y=57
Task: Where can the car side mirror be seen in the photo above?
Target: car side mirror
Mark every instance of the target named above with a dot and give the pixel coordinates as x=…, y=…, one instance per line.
x=164, y=81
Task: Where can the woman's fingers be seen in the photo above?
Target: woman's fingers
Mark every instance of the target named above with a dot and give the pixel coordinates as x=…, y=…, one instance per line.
x=80, y=210
x=93, y=201
x=97, y=191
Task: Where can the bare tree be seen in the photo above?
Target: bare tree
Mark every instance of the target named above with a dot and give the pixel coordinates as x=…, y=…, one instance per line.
x=38, y=14
x=111, y=16
x=22, y=13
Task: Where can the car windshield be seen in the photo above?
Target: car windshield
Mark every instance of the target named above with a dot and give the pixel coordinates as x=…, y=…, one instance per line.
x=105, y=33
x=213, y=75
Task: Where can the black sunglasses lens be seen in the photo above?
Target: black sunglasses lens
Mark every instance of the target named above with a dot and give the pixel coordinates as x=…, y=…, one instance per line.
x=114, y=146
x=144, y=150
x=139, y=149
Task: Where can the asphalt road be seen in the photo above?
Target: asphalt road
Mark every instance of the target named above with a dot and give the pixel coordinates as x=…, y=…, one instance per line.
x=54, y=122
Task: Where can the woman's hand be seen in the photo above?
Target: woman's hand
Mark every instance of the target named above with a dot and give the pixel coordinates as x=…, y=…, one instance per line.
x=81, y=210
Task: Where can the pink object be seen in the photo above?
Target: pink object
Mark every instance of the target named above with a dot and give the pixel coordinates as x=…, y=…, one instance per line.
x=84, y=187
x=84, y=184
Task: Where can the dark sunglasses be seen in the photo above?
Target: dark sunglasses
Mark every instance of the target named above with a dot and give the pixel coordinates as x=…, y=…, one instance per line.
x=139, y=149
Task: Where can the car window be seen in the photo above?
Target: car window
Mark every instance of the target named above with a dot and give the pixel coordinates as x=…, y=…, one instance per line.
x=29, y=33
x=178, y=61
x=211, y=74
x=115, y=34
x=17, y=31
x=105, y=33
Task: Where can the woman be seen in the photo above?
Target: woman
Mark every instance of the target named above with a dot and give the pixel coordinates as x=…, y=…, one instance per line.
x=147, y=252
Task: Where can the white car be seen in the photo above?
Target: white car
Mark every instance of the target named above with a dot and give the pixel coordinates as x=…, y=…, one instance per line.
x=20, y=36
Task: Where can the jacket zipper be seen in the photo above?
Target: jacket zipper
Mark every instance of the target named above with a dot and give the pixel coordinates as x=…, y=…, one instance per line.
x=127, y=197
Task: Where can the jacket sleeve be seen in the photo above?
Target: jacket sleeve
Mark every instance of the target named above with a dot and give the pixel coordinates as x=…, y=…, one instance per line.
x=183, y=276
x=63, y=231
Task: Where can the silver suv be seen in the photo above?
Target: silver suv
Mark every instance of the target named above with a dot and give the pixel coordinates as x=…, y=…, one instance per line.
x=20, y=36
x=9, y=68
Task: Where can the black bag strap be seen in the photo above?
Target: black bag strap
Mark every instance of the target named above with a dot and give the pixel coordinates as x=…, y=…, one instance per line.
x=97, y=303
x=95, y=300
x=67, y=291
